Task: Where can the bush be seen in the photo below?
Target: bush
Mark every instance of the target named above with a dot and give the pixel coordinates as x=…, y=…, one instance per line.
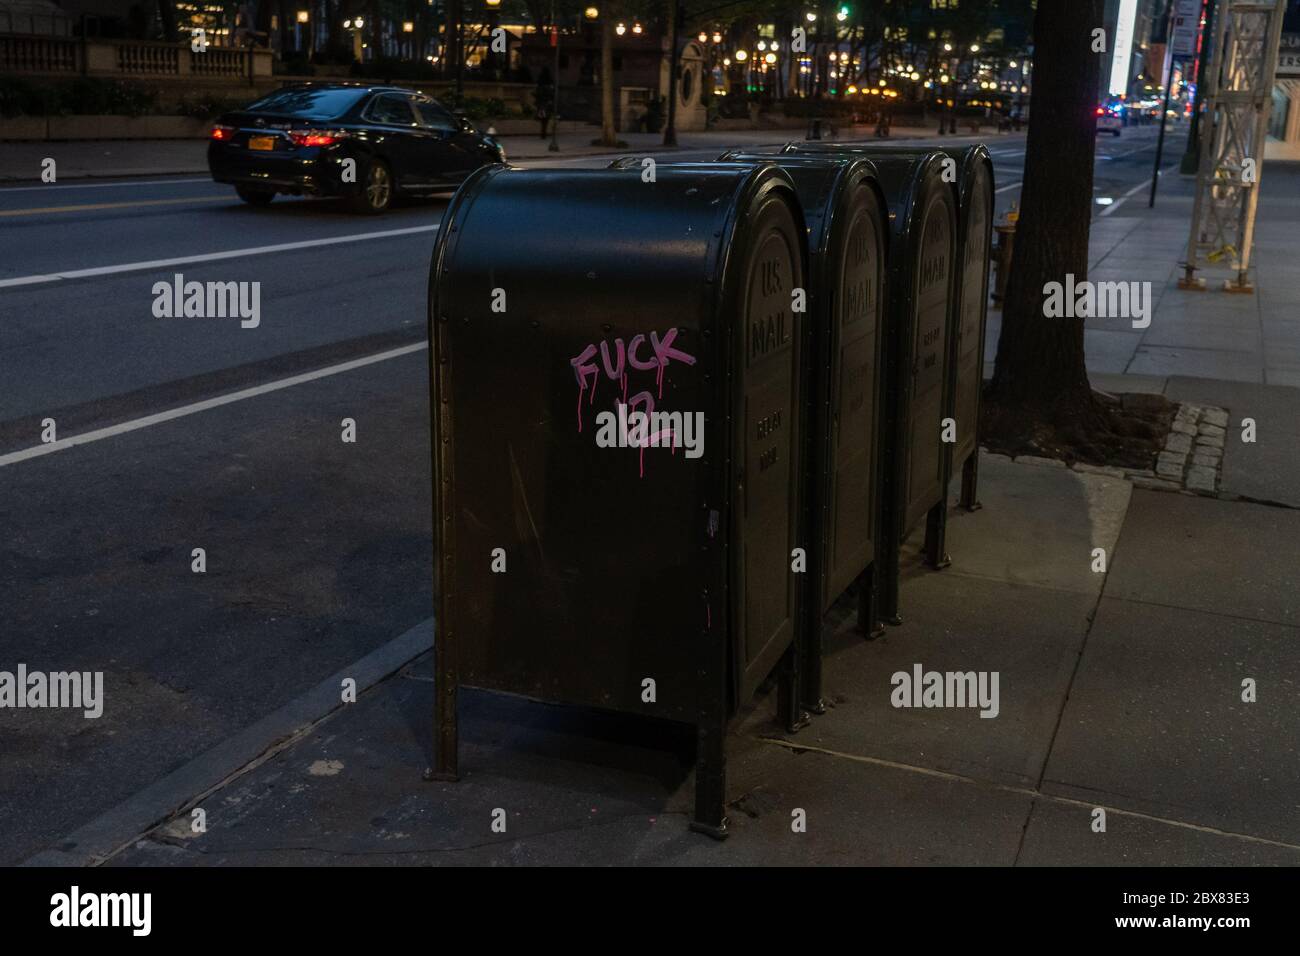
x=206, y=106
x=82, y=95
x=476, y=107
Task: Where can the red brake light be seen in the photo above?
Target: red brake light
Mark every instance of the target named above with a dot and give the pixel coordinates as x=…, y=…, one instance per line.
x=223, y=132
x=1100, y=111
x=316, y=137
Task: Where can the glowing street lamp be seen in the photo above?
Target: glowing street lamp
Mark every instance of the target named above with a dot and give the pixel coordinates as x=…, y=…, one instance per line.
x=621, y=29
x=770, y=58
x=408, y=26
x=636, y=28
x=741, y=56
x=591, y=13
x=302, y=16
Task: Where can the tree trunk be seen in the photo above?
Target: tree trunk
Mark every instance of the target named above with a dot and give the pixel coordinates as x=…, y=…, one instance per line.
x=1040, y=360
x=670, y=29
x=167, y=14
x=608, y=134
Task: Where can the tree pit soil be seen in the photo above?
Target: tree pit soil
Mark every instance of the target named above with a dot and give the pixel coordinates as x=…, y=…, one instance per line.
x=1122, y=431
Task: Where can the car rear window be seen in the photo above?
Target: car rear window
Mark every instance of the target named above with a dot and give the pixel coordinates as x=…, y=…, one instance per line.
x=309, y=103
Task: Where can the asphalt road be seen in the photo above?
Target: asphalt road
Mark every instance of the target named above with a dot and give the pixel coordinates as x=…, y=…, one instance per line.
x=317, y=551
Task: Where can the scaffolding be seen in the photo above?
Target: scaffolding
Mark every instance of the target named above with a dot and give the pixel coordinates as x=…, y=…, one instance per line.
x=1238, y=97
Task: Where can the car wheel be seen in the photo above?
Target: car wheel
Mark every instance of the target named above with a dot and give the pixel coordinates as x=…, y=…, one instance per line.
x=376, y=193
x=255, y=197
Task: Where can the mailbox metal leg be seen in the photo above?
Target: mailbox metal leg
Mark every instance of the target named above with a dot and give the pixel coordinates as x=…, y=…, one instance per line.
x=970, y=477
x=445, y=730
x=936, y=530
x=888, y=591
x=711, y=782
x=790, y=690
x=810, y=691
x=868, y=619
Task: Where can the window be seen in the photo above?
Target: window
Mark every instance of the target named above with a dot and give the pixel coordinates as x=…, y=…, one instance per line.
x=310, y=102
x=392, y=110
x=434, y=116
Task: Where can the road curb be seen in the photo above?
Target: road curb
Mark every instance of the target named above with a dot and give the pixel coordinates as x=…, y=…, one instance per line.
x=107, y=834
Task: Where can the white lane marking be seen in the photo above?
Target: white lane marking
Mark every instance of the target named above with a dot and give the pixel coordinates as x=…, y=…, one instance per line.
x=1125, y=198
x=158, y=418
x=147, y=182
x=209, y=257
x=1009, y=186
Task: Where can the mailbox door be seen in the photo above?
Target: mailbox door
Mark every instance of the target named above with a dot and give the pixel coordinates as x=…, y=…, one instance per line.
x=765, y=524
x=856, y=269
x=575, y=569
x=976, y=227
x=926, y=396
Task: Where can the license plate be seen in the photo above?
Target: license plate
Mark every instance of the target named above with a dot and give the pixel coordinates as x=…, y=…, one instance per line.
x=261, y=142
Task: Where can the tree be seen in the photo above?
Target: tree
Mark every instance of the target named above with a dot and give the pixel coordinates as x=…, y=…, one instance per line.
x=1040, y=364
x=608, y=134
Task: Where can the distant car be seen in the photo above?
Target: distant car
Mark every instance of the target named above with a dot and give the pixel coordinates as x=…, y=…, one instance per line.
x=1109, y=120
x=366, y=144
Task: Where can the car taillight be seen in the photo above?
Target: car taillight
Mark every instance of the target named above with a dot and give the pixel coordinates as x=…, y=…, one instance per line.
x=223, y=132
x=1100, y=111
x=316, y=137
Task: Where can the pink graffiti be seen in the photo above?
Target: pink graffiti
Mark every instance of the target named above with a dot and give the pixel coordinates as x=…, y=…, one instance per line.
x=663, y=352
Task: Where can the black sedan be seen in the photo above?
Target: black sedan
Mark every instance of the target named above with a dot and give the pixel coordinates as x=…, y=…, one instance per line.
x=366, y=144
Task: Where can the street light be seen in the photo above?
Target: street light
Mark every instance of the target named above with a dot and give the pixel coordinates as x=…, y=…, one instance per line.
x=974, y=47
x=591, y=13
x=302, y=16
x=408, y=26
x=741, y=56
x=621, y=29
x=636, y=28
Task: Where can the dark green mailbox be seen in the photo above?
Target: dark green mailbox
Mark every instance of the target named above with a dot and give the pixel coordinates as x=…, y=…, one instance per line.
x=586, y=556
x=847, y=240
x=921, y=328
x=971, y=173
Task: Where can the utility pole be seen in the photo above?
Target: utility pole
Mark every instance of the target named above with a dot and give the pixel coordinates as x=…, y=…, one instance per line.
x=1192, y=158
x=555, y=95
x=1164, y=110
x=676, y=13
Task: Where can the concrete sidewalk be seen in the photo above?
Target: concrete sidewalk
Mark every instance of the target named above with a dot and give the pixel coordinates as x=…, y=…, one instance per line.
x=1120, y=691
x=21, y=162
x=1210, y=334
